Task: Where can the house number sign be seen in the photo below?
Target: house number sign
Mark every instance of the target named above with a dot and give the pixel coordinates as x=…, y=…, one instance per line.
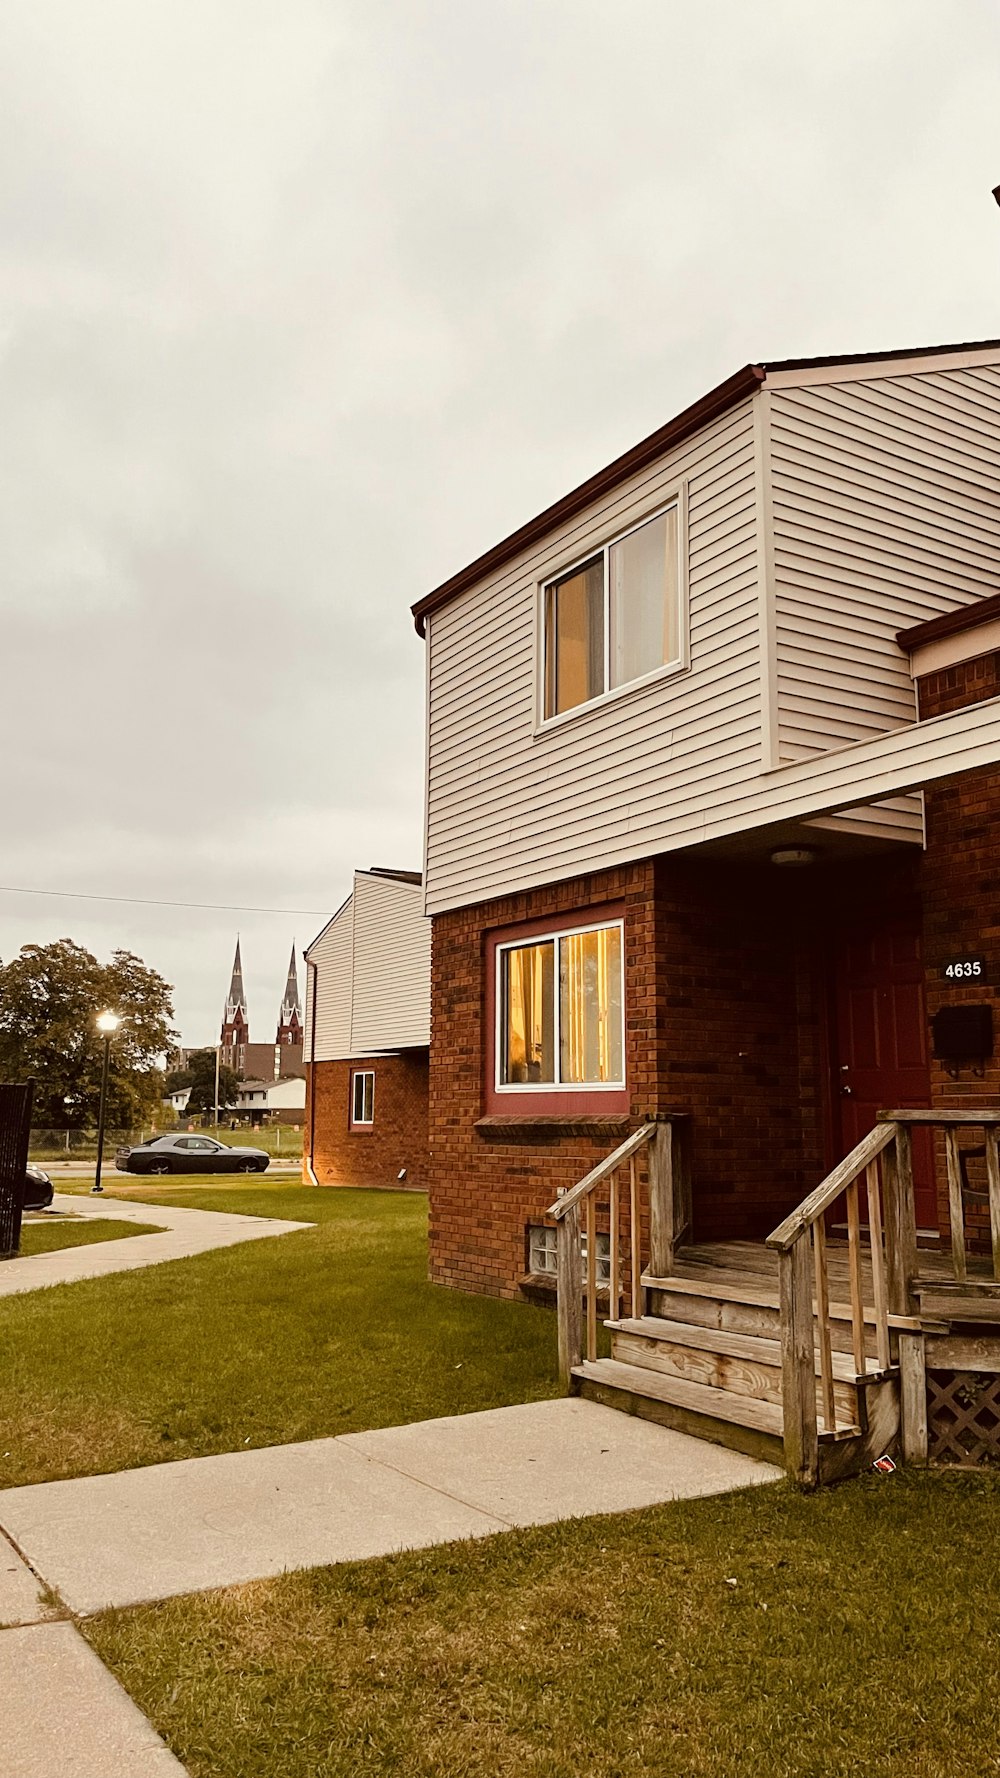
x=964, y=969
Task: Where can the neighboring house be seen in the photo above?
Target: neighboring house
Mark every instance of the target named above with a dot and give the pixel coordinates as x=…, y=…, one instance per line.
x=272, y=1101
x=367, y=1030
x=178, y=1100
x=713, y=806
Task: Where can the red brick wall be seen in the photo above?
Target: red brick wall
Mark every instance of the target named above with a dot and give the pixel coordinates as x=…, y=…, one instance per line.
x=961, y=886
x=723, y=1010
x=397, y=1138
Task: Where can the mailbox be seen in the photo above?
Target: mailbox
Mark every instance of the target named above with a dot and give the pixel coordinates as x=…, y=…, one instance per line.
x=963, y=1033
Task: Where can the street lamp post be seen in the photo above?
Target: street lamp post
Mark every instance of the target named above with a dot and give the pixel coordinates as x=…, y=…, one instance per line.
x=107, y=1025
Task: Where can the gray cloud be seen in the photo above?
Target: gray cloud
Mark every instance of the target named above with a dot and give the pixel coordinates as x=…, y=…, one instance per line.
x=303, y=306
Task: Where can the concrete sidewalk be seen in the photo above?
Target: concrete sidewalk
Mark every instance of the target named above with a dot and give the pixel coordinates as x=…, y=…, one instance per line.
x=63, y=1714
x=217, y=1521
x=186, y=1232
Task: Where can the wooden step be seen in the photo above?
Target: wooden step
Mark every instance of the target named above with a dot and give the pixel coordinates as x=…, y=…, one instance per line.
x=717, y=1405
x=753, y=1427
x=741, y=1308
x=740, y=1363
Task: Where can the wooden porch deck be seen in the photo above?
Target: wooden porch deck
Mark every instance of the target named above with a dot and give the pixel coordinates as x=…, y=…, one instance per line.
x=750, y=1266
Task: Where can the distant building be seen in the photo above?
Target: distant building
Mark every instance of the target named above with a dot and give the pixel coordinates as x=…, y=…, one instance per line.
x=368, y=1025
x=272, y=1101
x=280, y=1060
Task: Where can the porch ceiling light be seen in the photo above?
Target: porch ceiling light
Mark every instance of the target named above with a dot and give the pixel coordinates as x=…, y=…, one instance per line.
x=796, y=855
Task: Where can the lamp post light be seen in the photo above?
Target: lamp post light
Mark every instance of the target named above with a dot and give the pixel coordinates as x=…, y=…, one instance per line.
x=107, y=1025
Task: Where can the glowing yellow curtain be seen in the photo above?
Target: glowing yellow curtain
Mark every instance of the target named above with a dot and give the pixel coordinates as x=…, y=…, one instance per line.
x=529, y=972
x=590, y=1006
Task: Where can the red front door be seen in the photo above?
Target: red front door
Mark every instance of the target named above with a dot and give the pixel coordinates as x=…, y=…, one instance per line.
x=880, y=1051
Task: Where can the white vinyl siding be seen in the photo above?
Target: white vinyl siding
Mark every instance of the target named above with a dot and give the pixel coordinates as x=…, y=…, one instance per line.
x=510, y=805
x=329, y=1004
x=826, y=513
x=886, y=511
x=373, y=973
x=392, y=966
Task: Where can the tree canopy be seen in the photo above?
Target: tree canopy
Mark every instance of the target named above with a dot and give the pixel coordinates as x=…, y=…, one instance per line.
x=199, y=1075
x=50, y=996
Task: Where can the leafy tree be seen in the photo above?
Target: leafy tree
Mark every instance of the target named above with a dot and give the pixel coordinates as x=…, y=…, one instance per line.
x=199, y=1075
x=50, y=996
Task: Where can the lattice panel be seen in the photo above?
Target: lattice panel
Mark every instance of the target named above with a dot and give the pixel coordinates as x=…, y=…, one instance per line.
x=963, y=1418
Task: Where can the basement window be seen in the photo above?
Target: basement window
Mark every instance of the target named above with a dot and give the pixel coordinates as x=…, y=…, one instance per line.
x=542, y=1253
x=615, y=618
x=363, y=1096
x=542, y=1250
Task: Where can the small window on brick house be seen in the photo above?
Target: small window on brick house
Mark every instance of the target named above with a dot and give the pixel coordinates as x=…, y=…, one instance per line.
x=542, y=1250
x=542, y=1253
x=363, y=1096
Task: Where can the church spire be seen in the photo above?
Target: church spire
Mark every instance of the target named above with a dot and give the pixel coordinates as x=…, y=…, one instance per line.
x=290, y=1016
x=235, y=1032
x=237, y=999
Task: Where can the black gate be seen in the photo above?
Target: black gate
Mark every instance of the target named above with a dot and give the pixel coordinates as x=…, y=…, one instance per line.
x=15, y=1128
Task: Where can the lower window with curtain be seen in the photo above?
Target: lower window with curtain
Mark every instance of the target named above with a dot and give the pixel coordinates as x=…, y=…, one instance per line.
x=560, y=1014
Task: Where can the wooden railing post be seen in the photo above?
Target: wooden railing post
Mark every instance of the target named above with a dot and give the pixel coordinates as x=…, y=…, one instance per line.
x=669, y=1195
x=798, y=1364
x=900, y=1223
x=569, y=1287
x=661, y=1203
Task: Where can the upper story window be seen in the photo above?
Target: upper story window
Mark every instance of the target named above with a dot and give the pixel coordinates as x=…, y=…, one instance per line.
x=560, y=1005
x=615, y=617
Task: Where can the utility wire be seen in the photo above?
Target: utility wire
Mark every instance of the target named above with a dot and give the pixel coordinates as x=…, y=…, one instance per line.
x=138, y=901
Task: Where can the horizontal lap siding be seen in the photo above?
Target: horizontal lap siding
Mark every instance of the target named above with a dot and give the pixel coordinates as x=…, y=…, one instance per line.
x=885, y=511
x=331, y=1008
x=508, y=809
x=392, y=966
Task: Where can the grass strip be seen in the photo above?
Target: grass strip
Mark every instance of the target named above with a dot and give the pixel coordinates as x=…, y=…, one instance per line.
x=332, y=1329
x=763, y=1634
x=50, y=1237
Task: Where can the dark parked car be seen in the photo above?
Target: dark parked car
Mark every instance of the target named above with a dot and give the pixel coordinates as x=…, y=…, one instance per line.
x=190, y=1154
x=37, y=1188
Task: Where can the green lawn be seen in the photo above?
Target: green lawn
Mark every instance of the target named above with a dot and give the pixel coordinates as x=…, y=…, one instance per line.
x=47, y=1237
x=333, y=1329
x=763, y=1634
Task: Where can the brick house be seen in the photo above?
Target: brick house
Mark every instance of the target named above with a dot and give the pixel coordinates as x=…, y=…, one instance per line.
x=366, y=1037
x=713, y=867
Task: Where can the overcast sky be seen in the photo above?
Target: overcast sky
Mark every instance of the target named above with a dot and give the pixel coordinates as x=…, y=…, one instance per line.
x=302, y=305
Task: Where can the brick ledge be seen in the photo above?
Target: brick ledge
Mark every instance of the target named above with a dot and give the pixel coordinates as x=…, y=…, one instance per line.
x=538, y=1125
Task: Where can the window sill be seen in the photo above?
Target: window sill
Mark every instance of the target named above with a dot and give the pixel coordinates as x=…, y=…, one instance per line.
x=541, y=1288
x=536, y=1126
x=551, y=725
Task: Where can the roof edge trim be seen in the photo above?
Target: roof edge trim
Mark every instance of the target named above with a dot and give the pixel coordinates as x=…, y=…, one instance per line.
x=951, y=623
x=708, y=407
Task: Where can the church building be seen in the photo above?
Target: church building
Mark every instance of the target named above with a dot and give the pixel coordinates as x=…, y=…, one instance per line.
x=280, y=1060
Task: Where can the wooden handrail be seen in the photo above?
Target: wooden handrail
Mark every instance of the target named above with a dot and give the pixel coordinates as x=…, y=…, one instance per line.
x=598, y=1174
x=881, y=1305
x=985, y=1119
x=577, y=1214
x=820, y=1200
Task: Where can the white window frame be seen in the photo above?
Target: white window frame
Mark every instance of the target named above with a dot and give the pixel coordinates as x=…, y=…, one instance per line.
x=677, y=501
x=551, y=1086
x=362, y=1123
